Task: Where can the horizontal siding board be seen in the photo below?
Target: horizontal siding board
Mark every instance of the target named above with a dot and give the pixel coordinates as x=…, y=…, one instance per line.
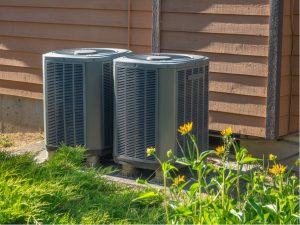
x=242, y=124
x=25, y=44
x=220, y=24
x=20, y=59
x=21, y=89
x=233, y=64
x=143, y=5
x=234, y=7
x=238, y=84
x=27, y=75
x=107, y=18
x=215, y=43
x=75, y=32
x=245, y=105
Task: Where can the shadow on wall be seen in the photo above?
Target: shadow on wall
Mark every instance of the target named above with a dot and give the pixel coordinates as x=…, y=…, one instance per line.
x=234, y=34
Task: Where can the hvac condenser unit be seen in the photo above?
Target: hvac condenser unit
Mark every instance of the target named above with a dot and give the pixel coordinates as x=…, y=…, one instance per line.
x=78, y=98
x=154, y=95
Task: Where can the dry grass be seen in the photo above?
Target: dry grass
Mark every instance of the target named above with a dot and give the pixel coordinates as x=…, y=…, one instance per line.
x=21, y=140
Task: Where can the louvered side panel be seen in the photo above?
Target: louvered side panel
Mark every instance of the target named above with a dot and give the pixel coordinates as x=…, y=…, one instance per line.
x=68, y=105
x=135, y=111
x=50, y=104
x=192, y=106
x=181, y=110
x=59, y=107
x=205, y=108
x=108, y=103
x=79, y=104
x=65, y=104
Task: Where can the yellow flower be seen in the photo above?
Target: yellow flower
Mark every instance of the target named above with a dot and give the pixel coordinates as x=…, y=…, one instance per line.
x=226, y=132
x=272, y=157
x=186, y=128
x=277, y=169
x=220, y=150
x=150, y=151
x=178, y=180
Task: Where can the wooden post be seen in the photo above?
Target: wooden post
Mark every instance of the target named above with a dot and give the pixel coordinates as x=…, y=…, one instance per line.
x=156, y=8
x=274, y=68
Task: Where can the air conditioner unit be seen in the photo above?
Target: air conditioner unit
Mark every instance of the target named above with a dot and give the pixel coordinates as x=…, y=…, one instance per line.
x=78, y=98
x=154, y=95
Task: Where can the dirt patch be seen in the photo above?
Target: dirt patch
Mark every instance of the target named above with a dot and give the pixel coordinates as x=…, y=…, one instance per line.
x=21, y=140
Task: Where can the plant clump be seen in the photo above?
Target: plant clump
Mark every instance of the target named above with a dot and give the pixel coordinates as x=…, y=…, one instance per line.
x=5, y=141
x=263, y=194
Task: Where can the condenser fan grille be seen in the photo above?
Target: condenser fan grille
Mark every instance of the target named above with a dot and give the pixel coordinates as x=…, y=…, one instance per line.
x=192, y=105
x=136, y=100
x=64, y=103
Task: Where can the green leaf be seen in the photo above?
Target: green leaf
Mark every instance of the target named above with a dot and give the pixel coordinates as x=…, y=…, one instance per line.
x=204, y=154
x=238, y=215
x=150, y=198
x=272, y=208
x=180, y=187
x=183, y=161
x=166, y=167
x=194, y=188
x=247, y=160
x=182, y=211
x=141, y=181
x=297, y=216
x=256, y=207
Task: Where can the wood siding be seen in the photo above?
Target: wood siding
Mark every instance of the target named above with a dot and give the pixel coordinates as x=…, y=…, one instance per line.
x=33, y=27
x=234, y=34
x=289, y=89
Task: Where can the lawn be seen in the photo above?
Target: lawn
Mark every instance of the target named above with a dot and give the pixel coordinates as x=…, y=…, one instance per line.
x=64, y=190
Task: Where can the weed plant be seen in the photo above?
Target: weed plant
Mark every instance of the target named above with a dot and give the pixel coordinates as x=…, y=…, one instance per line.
x=64, y=191
x=270, y=193
x=5, y=141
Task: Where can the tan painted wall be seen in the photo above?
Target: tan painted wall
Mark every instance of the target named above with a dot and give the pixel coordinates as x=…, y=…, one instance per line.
x=234, y=34
x=33, y=27
x=289, y=93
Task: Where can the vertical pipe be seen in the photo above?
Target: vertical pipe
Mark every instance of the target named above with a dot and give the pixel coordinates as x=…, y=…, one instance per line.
x=156, y=9
x=129, y=24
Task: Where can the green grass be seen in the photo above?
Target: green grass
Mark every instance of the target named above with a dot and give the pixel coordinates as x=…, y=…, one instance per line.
x=63, y=190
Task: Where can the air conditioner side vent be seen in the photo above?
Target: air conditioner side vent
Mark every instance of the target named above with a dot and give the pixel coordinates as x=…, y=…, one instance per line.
x=191, y=106
x=136, y=100
x=65, y=103
x=107, y=100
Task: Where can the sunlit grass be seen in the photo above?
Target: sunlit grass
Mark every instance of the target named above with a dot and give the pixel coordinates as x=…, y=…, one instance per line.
x=63, y=190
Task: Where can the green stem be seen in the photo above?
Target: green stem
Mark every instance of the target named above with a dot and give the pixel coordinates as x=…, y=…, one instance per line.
x=166, y=198
x=238, y=187
x=199, y=199
x=223, y=190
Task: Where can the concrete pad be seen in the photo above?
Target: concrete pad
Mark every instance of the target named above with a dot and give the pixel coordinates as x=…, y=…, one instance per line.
x=286, y=149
